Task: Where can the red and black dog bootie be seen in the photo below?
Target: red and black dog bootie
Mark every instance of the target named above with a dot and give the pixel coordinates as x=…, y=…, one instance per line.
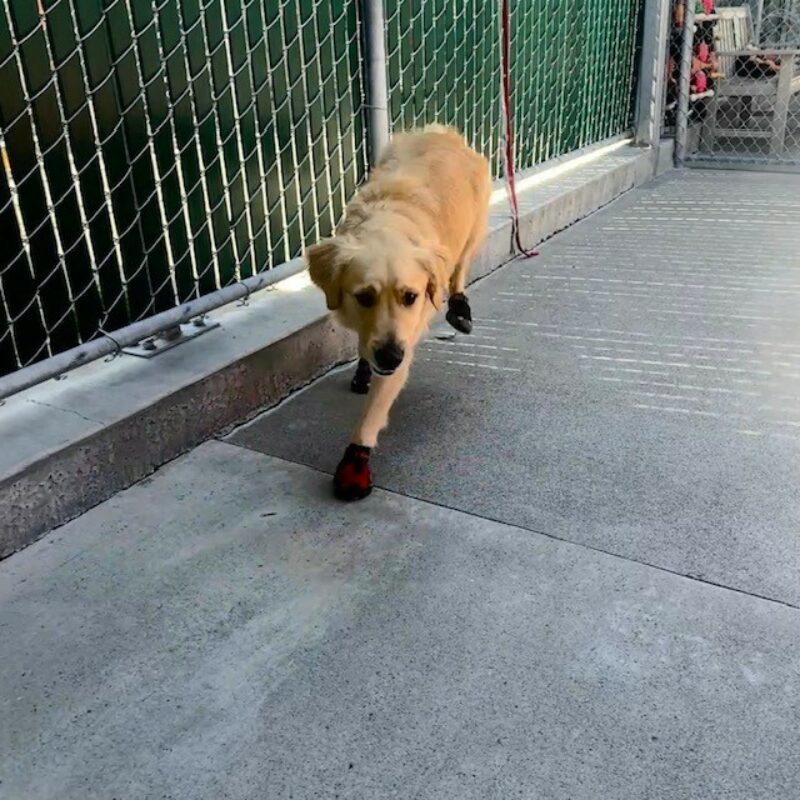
x=362, y=378
x=353, y=480
x=459, y=314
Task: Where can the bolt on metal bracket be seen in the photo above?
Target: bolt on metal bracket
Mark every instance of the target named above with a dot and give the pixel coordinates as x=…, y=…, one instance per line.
x=172, y=337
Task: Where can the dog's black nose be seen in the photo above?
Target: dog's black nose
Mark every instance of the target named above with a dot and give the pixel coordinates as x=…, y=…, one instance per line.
x=388, y=356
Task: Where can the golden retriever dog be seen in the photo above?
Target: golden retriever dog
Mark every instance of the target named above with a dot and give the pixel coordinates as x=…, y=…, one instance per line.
x=406, y=240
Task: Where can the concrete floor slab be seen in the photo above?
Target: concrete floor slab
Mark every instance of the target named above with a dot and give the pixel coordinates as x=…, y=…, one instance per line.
x=635, y=388
x=225, y=630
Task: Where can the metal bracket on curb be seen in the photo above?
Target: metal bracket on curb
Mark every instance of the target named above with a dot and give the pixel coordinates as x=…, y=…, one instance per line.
x=166, y=340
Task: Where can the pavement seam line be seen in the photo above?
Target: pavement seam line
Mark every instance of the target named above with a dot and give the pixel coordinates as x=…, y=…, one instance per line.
x=551, y=536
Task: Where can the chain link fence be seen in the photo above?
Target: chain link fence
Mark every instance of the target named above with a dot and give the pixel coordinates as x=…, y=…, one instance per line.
x=573, y=65
x=736, y=77
x=156, y=151
x=443, y=65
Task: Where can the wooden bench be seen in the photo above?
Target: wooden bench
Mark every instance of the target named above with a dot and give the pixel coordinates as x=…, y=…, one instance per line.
x=735, y=39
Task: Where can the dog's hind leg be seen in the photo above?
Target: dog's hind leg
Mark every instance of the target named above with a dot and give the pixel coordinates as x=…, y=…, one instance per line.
x=459, y=313
x=458, y=280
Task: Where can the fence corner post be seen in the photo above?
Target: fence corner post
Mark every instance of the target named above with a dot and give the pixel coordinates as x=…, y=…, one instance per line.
x=376, y=84
x=682, y=120
x=652, y=73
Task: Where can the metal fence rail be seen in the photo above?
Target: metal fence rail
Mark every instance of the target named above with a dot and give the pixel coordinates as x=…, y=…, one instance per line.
x=157, y=151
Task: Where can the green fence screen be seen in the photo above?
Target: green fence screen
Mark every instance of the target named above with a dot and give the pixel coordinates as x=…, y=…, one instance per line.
x=155, y=150
x=572, y=70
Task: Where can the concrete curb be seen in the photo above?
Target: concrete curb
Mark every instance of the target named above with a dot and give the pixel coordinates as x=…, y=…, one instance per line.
x=63, y=484
x=72, y=444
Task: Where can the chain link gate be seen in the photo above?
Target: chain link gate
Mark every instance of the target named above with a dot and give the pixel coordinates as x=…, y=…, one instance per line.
x=156, y=154
x=736, y=69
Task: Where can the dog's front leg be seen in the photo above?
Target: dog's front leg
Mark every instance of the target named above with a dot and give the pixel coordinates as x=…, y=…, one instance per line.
x=379, y=402
x=353, y=480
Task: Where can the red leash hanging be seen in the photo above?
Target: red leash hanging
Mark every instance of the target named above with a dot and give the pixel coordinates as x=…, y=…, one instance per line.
x=508, y=124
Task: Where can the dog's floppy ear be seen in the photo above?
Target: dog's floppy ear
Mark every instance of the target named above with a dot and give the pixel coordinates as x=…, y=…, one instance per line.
x=325, y=270
x=436, y=262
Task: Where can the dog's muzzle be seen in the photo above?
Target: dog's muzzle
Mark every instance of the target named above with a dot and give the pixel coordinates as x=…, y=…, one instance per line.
x=387, y=357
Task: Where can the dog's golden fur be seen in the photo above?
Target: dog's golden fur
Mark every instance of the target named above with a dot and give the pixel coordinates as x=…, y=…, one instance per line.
x=407, y=238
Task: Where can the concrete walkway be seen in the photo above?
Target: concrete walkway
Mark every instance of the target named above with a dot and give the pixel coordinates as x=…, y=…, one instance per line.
x=580, y=580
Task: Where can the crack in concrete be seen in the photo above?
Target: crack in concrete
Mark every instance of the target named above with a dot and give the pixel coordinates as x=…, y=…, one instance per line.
x=65, y=410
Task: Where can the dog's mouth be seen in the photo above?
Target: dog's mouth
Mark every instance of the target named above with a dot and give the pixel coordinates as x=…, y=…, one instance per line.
x=384, y=373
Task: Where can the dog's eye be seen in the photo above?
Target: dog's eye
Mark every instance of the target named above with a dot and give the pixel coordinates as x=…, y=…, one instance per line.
x=366, y=299
x=409, y=298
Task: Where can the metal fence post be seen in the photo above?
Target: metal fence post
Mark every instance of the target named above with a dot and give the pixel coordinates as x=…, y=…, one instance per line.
x=376, y=85
x=682, y=122
x=758, y=16
x=652, y=72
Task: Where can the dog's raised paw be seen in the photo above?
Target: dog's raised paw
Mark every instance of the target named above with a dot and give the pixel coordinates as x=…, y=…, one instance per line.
x=459, y=314
x=353, y=479
x=362, y=377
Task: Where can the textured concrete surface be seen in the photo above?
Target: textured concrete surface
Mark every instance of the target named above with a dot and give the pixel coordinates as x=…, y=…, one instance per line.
x=130, y=416
x=226, y=630
x=635, y=388
x=594, y=594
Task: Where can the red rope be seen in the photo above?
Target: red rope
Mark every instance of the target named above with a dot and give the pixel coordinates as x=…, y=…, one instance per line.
x=508, y=144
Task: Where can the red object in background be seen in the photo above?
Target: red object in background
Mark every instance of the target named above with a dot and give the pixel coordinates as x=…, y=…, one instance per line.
x=699, y=82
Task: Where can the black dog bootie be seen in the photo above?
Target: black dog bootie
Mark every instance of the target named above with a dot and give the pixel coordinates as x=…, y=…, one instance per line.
x=459, y=314
x=361, y=380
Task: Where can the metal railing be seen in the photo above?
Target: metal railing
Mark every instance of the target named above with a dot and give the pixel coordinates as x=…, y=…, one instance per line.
x=156, y=152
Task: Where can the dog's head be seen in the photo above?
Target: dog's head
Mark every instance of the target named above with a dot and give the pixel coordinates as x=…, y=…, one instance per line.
x=380, y=289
